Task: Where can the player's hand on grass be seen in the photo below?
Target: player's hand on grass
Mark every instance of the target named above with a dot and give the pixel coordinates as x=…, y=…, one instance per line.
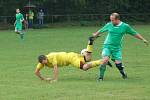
x=52, y=81
x=48, y=79
x=146, y=42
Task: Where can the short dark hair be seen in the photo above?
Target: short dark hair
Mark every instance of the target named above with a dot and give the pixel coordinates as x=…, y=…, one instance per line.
x=117, y=16
x=41, y=58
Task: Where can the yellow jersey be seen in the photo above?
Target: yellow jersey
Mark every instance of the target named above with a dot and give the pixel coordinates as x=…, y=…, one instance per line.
x=63, y=59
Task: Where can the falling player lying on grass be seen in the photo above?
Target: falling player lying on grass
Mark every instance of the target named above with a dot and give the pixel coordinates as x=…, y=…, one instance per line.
x=58, y=59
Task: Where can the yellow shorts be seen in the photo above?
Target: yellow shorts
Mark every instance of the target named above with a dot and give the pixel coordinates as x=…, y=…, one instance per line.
x=78, y=62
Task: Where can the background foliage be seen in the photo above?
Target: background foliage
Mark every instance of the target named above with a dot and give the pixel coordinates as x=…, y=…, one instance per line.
x=79, y=6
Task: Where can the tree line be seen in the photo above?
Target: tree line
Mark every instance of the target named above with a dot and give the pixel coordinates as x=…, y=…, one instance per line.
x=134, y=10
x=7, y=7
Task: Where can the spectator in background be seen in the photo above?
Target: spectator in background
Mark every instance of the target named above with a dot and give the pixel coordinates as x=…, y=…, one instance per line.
x=41, y=17
x=31, y=17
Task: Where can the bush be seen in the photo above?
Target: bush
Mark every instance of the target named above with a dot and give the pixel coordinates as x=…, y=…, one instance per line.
x=36, y=26
x=4, y=26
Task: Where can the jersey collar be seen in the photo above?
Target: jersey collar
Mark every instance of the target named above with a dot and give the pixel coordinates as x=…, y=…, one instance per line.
x=119, y=24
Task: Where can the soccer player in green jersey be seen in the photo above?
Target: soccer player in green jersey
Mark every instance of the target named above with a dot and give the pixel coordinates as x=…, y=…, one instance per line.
x=18, y=24
x=112, y=45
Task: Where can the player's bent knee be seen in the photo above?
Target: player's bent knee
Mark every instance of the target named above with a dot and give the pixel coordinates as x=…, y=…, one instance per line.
x=105, y=60
x=118, y=61
x=84, y=67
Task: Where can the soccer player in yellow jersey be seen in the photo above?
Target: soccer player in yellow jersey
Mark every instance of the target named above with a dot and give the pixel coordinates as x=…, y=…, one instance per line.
x=59, y=59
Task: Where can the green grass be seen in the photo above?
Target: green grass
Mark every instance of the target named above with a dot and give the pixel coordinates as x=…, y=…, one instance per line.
x=18, y=60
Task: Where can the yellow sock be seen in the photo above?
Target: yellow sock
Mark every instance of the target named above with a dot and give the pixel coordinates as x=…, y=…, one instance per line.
x=90, y=48
x=96, y=63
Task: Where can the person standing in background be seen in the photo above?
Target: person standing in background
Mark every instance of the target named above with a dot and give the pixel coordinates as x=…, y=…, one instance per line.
x=18, y=24
x=41, y=17
x=31, y=17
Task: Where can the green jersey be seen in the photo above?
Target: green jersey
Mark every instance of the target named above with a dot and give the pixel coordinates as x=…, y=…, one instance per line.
x=116, y=33
x=19, y=18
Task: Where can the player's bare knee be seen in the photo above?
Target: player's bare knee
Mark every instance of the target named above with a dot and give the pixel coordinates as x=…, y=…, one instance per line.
x=85, y=67
x=118, y=61
x=105, y=60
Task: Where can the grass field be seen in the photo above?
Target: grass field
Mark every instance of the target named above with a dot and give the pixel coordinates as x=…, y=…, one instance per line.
x=19, y=58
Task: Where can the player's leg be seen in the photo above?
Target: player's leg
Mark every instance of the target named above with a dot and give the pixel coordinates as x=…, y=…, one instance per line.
x=90, y=44
x=117, y=55
x=39, y=21
x=80, y=63
x=21, y=32
x=102, y=68
x=91, y=64
x=105, y=54
x=89, y=48
x=18, y=30
x=42, y=21
x=121, y=69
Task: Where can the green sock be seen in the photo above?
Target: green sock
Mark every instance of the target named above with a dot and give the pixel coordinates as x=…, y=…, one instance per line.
x=22, y=35
x=102, y=70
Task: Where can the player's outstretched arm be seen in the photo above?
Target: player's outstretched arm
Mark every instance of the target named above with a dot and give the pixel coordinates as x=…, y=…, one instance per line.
x=15, y=23
x=38, y=74
x=142, y=38
x=55, y=73
x=96, y=34
x=22, y=19
x=102, y=30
